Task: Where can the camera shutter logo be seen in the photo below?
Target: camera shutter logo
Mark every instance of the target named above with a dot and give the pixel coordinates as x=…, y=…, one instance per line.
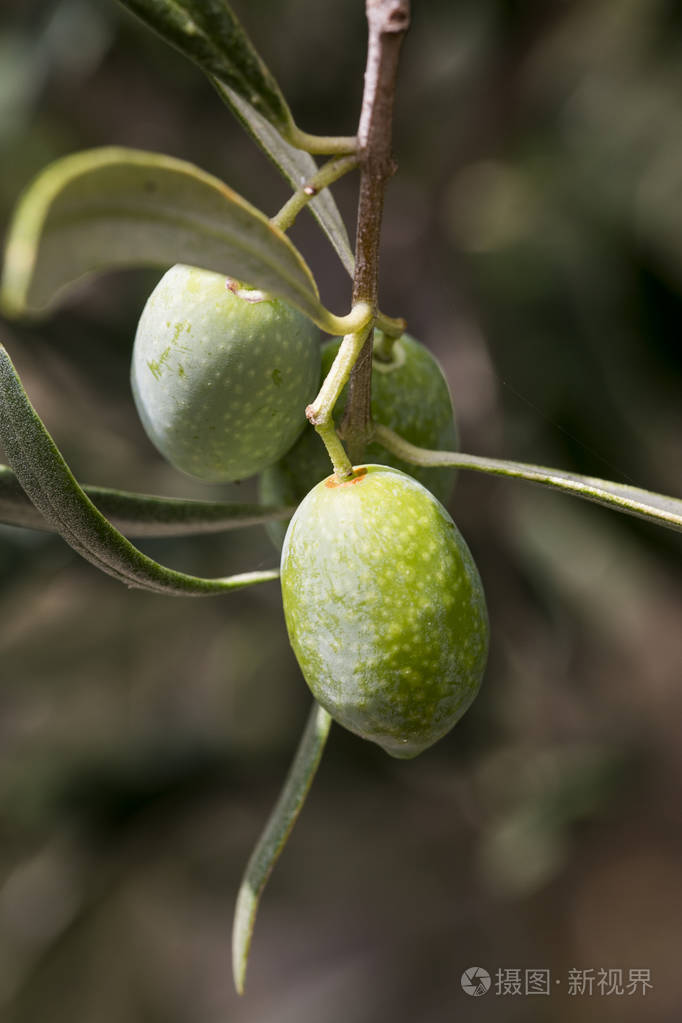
x=475, y=981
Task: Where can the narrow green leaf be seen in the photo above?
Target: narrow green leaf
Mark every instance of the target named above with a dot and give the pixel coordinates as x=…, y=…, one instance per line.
x=108, y=208
x=211, y=36
x=141, y=514
x=296, y=166
x=208, y=32
x=275, y=835
x=657, y=508
x=50, y=485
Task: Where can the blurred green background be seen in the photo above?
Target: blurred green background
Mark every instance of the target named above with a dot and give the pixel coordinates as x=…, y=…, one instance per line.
x=533, y=240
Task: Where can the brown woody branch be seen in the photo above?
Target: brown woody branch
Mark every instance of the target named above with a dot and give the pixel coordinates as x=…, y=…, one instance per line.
x=388, y=21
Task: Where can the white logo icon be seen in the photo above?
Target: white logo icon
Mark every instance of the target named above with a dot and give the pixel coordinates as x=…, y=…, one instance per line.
x=475, y=981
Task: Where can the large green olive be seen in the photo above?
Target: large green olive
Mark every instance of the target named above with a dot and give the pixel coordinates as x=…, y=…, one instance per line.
x=385, y=608
x=221, y=383
x=409, y=394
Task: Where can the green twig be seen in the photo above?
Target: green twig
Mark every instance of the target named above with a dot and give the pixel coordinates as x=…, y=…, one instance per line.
x=320, y=412
x=321, y=145
x=321, y=409
x=327, y=175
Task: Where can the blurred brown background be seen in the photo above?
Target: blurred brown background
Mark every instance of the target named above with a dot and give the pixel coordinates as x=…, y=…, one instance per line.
x=533, y=239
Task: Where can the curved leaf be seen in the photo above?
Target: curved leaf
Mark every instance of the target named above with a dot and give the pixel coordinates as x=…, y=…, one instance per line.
x=211, y=36
x=50, y=485
x=657, y=508
x=140, y=514
x=274, y=836
x=111, y=207
x=296, y=166
x=208, y=32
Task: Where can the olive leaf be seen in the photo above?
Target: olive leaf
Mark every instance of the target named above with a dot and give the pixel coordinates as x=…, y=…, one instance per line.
x=209, y=33
x=657, y=508
x=211, y=36
x=274, y=836
x=114, y=207
x=296, y=165
x=50, y=485
x=140, y=514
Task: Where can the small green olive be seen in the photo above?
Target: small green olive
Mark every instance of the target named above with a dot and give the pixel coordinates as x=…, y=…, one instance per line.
x=384, y=607
x=221, y=383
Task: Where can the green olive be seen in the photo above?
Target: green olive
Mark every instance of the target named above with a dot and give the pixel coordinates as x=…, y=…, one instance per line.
x=385, y=608
x=221, y=383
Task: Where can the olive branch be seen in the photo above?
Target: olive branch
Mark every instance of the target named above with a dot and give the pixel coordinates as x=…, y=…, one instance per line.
x=116, y=207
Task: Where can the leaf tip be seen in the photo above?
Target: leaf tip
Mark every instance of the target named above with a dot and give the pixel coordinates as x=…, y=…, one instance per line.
x=242, y=931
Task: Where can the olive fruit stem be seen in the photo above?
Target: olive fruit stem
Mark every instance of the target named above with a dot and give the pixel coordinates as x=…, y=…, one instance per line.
x=383, y=346
x=392, y=326
x=320, y=410
x=321, y=145
x=274, y=836
x=359, y=318
x=327, y=175
x=341, y=463
x=252, y=295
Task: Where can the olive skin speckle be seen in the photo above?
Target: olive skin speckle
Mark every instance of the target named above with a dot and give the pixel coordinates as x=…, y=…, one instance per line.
x=200, y=355
x=396, y=663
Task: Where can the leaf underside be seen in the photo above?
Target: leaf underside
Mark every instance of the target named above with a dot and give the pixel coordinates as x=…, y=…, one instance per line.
x=50, y=485
x=140, y=515
x=274, y=836
x=296, y=166
x=113, y=207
